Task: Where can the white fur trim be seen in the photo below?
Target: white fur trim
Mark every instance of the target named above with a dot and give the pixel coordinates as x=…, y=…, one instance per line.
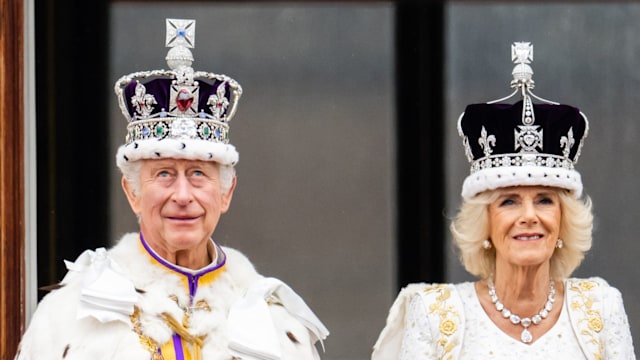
x=191, y=149
x=499, y=177
x=87, y=338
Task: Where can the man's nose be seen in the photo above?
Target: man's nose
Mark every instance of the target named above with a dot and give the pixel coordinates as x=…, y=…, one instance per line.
x=182, y=190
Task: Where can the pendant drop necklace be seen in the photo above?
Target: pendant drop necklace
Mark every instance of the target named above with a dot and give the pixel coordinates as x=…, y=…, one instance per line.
x=525, y=336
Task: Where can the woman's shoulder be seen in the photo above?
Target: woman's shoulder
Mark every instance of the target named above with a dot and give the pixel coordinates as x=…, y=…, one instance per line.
x=428, y=308
x=433, y=299
x=594, y=279
x=427, y=287
x=598, y=317
x=441, y=291
x=596, y=285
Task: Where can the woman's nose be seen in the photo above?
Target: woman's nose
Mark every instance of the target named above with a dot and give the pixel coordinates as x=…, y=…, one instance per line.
x=529, y=214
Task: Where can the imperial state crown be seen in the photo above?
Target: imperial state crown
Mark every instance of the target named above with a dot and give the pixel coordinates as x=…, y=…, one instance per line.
x=178, y=113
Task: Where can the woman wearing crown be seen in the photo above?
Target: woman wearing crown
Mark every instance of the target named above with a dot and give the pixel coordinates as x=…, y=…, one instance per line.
x=169, y=291
x=522, y=229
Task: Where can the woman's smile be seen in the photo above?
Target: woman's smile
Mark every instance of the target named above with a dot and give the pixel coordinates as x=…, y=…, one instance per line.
x=528, y=237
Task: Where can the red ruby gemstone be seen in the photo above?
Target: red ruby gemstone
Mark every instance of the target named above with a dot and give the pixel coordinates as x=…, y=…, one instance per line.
x=184, y=100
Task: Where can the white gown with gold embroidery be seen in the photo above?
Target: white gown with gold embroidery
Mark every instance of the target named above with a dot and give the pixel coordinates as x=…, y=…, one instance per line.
x=480, y=338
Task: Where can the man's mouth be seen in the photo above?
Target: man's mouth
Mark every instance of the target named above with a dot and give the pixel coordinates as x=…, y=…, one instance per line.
x=182, y=218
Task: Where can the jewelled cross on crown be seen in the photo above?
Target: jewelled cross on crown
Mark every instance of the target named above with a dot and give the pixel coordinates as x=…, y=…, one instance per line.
x=184, y=92
x=181, y=33
x=527, y=137
x=522, y=56
x=522, y=52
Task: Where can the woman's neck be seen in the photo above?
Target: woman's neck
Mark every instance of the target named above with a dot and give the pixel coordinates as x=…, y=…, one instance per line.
x=523, y=290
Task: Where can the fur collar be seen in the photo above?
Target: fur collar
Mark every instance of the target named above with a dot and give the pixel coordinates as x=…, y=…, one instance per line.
x=163, y=291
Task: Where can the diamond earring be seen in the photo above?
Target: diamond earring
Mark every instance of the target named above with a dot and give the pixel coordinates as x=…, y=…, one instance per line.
x=486, y=245
x=559, y=244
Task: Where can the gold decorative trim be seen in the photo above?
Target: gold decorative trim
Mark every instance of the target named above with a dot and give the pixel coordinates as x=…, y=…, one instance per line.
x=449, y=318
x=196, y=341
x=147, y=343
x=583, y=303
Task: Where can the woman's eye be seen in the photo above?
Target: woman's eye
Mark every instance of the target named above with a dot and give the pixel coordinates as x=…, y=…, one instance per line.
x=546, y=200
x=506, y=202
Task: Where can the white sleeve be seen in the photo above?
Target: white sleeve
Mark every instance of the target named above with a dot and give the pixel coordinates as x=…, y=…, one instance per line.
x=389, y=342
x=417, y=342
x=296, y=341
x=271, y=321
x=37, y=337
x=47, y=333
x=617, y=340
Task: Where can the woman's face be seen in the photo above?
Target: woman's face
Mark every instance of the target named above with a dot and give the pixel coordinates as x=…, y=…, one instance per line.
x=524, y=224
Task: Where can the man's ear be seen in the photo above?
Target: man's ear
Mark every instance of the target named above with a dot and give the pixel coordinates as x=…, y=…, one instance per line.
x=226, y=198
x=131, y=195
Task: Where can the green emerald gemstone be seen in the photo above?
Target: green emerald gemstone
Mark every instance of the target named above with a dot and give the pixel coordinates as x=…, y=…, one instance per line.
x=206, y=131
x=159, y=130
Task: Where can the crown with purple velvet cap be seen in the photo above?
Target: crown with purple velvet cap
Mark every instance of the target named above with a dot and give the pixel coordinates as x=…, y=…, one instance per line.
x=522, y=143
x=178, y=113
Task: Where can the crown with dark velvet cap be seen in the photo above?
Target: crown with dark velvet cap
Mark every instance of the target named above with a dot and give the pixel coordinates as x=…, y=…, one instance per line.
x=178, y=113
x=522, y=143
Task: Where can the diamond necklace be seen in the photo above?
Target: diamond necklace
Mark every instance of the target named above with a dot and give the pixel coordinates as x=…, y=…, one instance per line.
x=526, y=336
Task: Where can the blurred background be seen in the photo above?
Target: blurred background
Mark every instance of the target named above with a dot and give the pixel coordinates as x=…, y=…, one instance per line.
x=350, y=163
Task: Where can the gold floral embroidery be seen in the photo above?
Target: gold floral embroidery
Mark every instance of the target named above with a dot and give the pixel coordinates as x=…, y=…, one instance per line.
x=598, y=355
x=447, y=327
x=449, y=317
x=595, y=324
x=587, y=285
x=583, y=303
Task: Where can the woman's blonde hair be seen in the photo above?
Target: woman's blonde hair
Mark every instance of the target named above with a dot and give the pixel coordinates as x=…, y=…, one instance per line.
x=471, y=227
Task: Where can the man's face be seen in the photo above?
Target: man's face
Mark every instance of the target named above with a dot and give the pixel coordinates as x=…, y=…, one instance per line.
x=179, y=203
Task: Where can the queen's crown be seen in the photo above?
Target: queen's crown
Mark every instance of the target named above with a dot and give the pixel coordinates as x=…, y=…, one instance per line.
x=496, y=134
x=523, y=143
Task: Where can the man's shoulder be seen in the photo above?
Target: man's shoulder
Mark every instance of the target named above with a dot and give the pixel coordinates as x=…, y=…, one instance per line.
x=239, y=267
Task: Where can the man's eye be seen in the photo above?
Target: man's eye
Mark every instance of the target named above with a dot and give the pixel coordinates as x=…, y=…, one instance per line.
x=163, y=174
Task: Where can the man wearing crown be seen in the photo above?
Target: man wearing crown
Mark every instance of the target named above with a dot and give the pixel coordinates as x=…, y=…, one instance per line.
x=169, y=291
